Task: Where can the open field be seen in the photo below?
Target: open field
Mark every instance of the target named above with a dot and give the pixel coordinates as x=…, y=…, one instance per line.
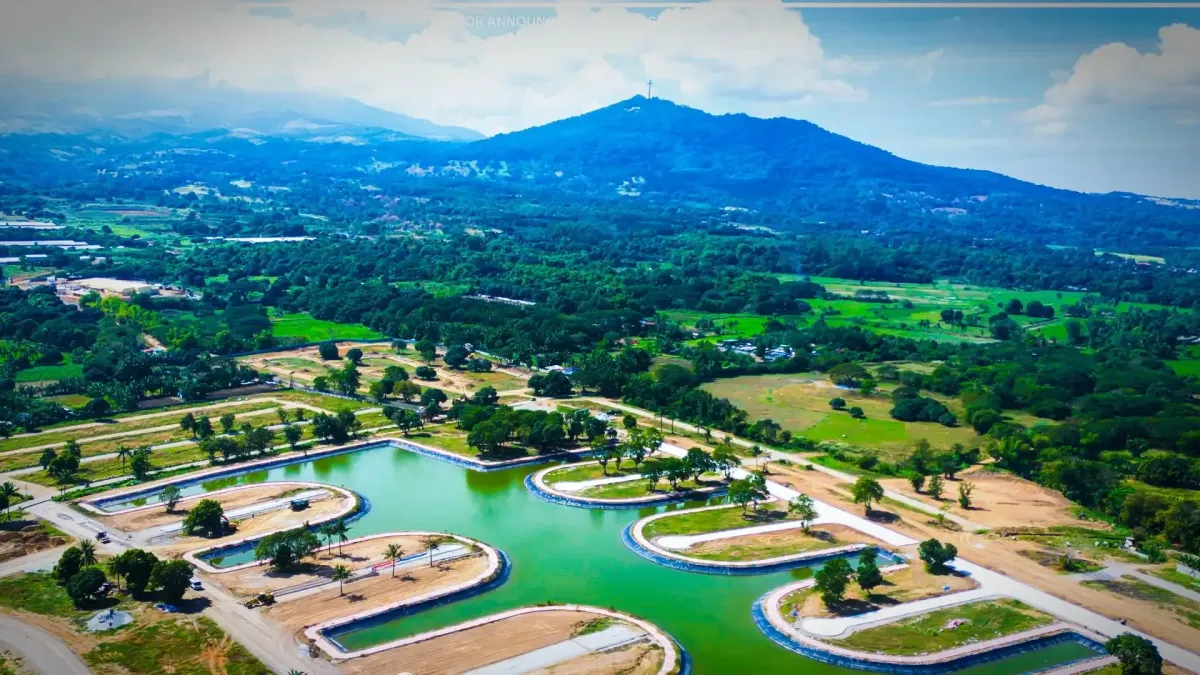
x=926, y=634
x=1180, y=608
x=302, y=327
x=641, y=488
x=800, y=403
x=713, y=520
x=49, y=373
x=999, y=500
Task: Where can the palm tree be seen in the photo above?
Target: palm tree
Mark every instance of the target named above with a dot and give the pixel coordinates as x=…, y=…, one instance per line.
x=9, y=493
x=339, y=529
x=327, y=530
x=87, y=550
x=340, y=574
x=393, y=552
x=123, y=453
x=431, y=542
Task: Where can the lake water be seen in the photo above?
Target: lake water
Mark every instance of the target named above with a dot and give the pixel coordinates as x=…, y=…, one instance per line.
x=564, y=555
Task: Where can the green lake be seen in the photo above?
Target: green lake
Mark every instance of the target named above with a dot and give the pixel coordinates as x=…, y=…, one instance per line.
x=565, y=555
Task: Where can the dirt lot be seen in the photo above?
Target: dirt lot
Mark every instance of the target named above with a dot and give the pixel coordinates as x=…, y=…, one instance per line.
x=141, y=520
x=775, y=544
x=1000, y=500
x=376, y=591
x=907, y=585
x=22, y=537
x=255, y=580
x=477, y=647
x=644, y=658
x=257, y=525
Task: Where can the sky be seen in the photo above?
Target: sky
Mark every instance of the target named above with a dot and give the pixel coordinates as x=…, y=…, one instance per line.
x=1086, y=96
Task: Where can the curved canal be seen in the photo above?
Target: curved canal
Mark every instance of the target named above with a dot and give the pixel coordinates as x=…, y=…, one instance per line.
x=564, y=555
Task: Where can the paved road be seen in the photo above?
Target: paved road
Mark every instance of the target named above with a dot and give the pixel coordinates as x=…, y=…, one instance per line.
x=41, y=560
x=40, y=651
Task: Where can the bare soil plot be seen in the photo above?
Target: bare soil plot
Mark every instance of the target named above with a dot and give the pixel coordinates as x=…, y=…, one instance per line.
x=1000, y=500
x=258, y=525
x=768, y=545
x=476, y=647
x=262, y=579
x=643, y=658
x=375, y=591
x=147, y=518
x=907, y=585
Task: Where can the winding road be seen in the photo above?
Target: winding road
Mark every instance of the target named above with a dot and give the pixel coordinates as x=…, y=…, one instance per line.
x=40, y=651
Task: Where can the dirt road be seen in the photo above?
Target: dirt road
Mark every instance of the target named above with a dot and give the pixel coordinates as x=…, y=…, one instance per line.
x=40, y=651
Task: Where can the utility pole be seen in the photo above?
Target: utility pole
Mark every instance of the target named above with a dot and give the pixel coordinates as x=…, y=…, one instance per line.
x=649, y=89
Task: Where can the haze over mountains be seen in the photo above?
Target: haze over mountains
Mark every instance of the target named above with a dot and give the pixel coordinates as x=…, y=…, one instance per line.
x=143, y=107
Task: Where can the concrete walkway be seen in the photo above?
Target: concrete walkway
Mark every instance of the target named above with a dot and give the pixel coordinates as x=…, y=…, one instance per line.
x=680, y=542
x=40, y=651
x=577, y=485
x=564, y=651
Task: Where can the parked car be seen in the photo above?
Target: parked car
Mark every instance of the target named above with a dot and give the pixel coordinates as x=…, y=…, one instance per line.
x=196, y=585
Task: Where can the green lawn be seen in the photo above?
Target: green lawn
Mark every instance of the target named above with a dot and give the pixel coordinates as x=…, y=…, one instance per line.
x=587, y=471
x=1185, y=367
x=640, y=488
x=713, y=520
x=927, y=634
x=43, y=373
x=764, y=547
x=304, y=328
x=70, y=400
x=800, y=403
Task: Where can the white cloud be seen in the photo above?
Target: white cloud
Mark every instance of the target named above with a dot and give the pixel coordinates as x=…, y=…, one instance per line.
x=723, y=55
x=973, y=101
x=1116, y=74
x=925, y=64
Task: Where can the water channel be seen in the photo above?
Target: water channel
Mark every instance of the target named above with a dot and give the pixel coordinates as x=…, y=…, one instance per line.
x=563, y=554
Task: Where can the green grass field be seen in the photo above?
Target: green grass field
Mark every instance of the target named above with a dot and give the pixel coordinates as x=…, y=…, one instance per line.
x=800, y=403
x=45, y=373
x=926, y=634
x=303, y=327
x=713, y=520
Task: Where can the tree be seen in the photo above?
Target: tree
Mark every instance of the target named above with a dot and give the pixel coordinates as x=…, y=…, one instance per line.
x=553, y=384
x=292, y=434
x=699, y=462
x=170, y=578
x=68, y=565
x=84, y=586
x=837, y=403
x=140, y=465
x=725, y=460
x=425, y=373
x=135, y=566
x=652, y=471
x=228, y=421
x=867, y=491
x=741, y=492
x=832, y=580
x=426, y=349
x=848, y=374
x=675, y=470
x=867, y=387
x=857, y=413
x=188, y=424
x=935, y=554
x=868, y=574
x=936, y=487
x=170, y=495
x=8, y=494
x=87, y=552
x=206, y=519
x=341, y=530
x=340, y=574
x=406, y=420
x=354, y=355
x=486, y=396
x=123, y=453
x=456, y=356
x=965, y=489
x=328, y=351
x=406, y=390
x=803, y=509
x=204, y=428
x=394, y=553
x=917, y=481
x=431, y=542
x=1137, y=655
x=284, y=551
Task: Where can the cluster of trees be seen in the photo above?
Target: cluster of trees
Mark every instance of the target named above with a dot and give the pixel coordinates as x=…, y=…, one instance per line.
x=81, y=574
x=494, y=429
x=285, y=551
x=206, y=519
